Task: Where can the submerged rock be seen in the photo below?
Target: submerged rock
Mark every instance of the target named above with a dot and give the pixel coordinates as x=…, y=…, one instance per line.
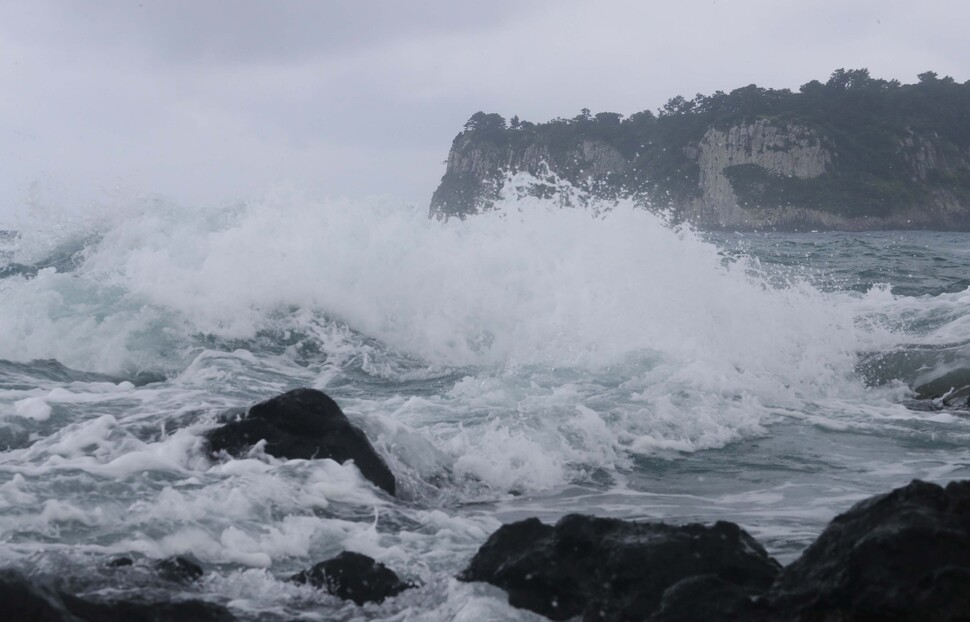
x=120, y=562
x=353, y=576
x=948, y=391
x=307, y=424
x=175, y=569
x=904, y=555
x=178, y=569
x=609, y=569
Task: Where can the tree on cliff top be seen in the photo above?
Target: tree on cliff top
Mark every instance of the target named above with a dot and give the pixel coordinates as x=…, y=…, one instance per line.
x=481, y=121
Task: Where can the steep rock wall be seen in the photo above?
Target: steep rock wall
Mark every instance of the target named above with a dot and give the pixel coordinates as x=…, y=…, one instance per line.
x=475, y=171
x=787, y=151
x=930, y=157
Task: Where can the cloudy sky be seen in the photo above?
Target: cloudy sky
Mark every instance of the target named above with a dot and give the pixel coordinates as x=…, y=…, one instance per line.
x=220, y=100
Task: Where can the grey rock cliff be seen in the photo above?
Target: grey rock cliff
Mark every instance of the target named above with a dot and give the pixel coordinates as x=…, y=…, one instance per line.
x=475, y=172
x=786, y=151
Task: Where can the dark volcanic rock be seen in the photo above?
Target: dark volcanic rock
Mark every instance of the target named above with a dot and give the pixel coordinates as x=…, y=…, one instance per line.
x=353, y=576
x=709, y=598
x=303, y=423
x=136, y=611
x=904, y=555
x=609, y=569
x=23, y=600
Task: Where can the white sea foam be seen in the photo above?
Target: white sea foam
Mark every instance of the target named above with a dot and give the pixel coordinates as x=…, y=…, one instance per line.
x=532, y=360
x=531, y=285
x=33, y=408
x=706, y=351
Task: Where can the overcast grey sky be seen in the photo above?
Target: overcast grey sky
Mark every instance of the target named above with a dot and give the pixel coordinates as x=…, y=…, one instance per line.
x=210, y=101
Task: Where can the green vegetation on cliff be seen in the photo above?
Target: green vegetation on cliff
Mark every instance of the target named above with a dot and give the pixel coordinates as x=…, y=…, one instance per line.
x=887, y=148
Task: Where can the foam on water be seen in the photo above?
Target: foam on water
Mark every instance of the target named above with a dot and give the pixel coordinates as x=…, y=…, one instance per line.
x=531, y=285
x=531, y=360
x=559, y=312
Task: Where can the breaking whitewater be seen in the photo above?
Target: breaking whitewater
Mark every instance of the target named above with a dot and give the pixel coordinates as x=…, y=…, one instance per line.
x=529, y=361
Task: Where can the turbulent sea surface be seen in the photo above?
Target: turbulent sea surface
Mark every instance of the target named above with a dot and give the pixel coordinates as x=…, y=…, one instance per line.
x=532, y=361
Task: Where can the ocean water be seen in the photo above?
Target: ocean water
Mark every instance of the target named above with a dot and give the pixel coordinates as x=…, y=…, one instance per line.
x=531, y=361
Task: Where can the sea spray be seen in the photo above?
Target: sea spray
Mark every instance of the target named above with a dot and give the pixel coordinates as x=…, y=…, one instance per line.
x=615, y=307
x=533, y=360
x=528, y=284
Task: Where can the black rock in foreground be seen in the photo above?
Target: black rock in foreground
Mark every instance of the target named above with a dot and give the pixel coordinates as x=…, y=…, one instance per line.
x=26, y=601
x=902, y=556
x=353, y=576
x=132, y=611
x=307, y=424
x=609, y=569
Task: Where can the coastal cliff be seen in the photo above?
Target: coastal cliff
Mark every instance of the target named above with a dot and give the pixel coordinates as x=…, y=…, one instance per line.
x=854, y=153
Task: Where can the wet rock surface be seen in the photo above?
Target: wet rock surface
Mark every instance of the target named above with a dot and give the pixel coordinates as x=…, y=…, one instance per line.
x=901, y=556
x=609, y=569
x=178, y=570
x=21, y=599
x=134, y=611
x=707, y=597
x=904, y=555
x=353, y=576
x=25, y=600
x=307, y=424
x=950, y=391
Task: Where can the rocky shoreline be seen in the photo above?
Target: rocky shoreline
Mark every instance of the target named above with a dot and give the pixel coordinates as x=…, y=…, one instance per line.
x=903, y=555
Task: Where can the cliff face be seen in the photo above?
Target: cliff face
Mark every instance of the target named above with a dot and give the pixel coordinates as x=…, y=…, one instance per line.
x=475, y=172
x=852, y=154
x=788, y=151
x=776, y=153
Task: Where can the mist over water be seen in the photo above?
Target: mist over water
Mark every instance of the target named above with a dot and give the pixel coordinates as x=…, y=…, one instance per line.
x=532, y=360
